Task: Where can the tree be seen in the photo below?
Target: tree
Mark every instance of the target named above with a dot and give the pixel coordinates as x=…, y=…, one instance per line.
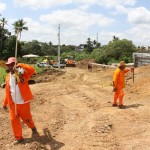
x=115, y=38
x=33, y=47
x=3, y=22
x=98, y=45
x=4, y=34
x=94, y=43
x=45, y=49
x=9, y=47
x=89, y=46
x=115, y=51
x=19, y=26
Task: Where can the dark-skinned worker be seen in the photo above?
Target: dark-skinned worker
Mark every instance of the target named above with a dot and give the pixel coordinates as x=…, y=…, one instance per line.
x=119, y=83
x=18, y=96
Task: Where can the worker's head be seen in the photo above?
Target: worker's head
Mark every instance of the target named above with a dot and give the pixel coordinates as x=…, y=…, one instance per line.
x=122, y=65
x=11, y=63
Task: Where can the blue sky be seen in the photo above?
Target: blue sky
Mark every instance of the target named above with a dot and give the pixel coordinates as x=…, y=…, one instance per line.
x=80, y=19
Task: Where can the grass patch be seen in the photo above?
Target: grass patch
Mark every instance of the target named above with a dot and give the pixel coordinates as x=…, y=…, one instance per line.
x=2, y=75
x=39, y=69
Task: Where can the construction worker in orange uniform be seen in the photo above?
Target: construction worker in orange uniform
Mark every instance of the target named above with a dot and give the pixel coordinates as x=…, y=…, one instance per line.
x=119, y=83
x=18, y=96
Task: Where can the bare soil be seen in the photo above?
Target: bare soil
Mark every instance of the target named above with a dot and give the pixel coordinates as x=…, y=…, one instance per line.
x=72, y=111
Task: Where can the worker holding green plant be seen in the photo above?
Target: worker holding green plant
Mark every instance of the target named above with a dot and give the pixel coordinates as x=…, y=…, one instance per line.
x=18, y=96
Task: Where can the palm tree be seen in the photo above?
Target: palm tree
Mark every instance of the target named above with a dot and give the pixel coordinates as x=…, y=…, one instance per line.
x=115, y=38
x=19, y=26
x=3, y=22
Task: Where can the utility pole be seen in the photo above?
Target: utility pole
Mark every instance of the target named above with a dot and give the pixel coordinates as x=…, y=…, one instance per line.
x=97, y=37
x=59, y=46
x=16, y=50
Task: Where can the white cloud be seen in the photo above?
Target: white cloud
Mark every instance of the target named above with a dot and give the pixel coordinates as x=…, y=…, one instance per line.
x=106, y=36
x=74, y=28
x=139, y=18
x=78, y=21
x=115, y=3
x=35, y=4
x=75, y=24
x=76, y=18
x=84, y=7
x=38, y=31
x=121, y=9
x=140, y=34
x=2, y=7
x=139, y=15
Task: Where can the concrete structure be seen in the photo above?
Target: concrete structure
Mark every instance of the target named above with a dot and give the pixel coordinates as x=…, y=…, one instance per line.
x=141, y=59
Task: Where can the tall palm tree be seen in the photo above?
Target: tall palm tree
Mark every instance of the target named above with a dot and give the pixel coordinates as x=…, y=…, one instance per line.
x=19, y=26
x=3, y=22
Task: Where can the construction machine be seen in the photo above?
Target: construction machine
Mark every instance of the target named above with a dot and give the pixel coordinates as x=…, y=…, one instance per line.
x=70, y=62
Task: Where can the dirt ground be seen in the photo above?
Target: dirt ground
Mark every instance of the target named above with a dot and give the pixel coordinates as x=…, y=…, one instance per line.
x=72, y=111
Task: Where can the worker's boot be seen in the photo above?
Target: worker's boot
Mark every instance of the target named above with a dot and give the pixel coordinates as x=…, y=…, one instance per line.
x=114, y=105
x=35, y=134
x=34, y=130
x=121, y=106
x=21, y=141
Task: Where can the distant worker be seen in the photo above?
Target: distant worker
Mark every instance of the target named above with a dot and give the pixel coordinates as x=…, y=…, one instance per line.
x=18, y=96
x=119, y=83
x=89, y=67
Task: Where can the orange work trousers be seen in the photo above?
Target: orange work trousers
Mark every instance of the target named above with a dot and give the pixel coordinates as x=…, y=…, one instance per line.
x=23, y=112
x=119, y=94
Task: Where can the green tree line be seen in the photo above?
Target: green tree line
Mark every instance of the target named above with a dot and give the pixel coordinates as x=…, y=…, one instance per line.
x=114, y=51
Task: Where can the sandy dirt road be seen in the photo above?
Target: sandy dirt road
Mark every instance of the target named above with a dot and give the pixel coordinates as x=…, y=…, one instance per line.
x=73, y=112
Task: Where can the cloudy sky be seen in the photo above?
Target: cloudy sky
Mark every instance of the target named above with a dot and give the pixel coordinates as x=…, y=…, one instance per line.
x=80, y=19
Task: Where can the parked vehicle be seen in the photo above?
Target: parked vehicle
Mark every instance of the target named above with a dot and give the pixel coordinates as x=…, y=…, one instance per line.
x=57, y=65
x=43, y=64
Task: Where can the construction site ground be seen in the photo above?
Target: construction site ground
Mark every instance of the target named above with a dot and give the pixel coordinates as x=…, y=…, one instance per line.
x=72, y=110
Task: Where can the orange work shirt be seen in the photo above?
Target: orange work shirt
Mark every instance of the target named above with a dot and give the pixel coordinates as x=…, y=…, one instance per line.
x=23, y=86
x=119, y=78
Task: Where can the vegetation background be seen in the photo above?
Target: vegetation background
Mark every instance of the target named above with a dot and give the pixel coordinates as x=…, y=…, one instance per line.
x=115, y=51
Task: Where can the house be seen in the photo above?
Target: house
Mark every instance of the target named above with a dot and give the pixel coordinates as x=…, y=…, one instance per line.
x=80, y=47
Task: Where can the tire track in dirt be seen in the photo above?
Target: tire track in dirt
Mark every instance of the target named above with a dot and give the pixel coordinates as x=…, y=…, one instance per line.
x=96, y=132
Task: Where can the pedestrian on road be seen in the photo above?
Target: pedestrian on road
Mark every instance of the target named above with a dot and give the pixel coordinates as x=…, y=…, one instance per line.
x=18, y=96
x=119, y=83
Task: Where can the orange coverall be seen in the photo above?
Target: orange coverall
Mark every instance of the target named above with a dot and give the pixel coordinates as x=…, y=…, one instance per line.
x=119, y=84
x=23, y=110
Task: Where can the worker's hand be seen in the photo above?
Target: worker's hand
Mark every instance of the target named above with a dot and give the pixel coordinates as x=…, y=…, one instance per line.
x=114, y=89
x=5, y=107
x=132, y=69
x=20, y=71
